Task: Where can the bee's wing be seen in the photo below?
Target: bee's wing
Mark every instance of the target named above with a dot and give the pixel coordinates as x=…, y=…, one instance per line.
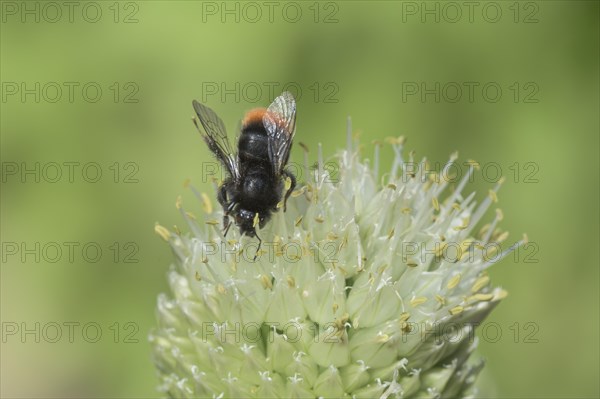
x=216, y=137
x=280, y=123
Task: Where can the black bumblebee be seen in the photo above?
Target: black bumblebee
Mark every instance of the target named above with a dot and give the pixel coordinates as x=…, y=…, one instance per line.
x=256, y=174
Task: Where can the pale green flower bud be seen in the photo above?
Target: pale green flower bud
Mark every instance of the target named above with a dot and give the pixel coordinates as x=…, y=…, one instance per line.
x=368, y=286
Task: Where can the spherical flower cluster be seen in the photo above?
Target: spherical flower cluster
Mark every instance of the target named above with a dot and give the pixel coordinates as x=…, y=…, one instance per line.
x=367, y=286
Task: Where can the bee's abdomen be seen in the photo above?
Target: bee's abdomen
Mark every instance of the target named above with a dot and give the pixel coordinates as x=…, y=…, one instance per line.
x=259, y=191
x=253, y=146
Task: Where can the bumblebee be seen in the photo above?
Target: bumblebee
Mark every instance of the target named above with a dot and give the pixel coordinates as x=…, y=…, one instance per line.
x=256, y=174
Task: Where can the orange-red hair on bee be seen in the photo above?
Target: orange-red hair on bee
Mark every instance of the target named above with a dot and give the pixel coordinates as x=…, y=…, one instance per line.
x=254, y=117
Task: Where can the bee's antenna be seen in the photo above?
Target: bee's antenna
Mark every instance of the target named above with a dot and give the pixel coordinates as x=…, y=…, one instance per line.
x=259, y=245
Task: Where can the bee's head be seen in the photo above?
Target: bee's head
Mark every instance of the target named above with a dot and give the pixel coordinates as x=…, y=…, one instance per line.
x=244, y=219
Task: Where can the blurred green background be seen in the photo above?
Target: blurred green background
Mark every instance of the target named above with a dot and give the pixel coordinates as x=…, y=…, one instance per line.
x=358, y=58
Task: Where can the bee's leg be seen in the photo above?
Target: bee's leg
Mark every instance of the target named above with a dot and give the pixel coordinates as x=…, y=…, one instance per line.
x=289, y=191
x=259, y=245
x=226, y=204
x=226, y=225
x=222, y=194
x=226, y=219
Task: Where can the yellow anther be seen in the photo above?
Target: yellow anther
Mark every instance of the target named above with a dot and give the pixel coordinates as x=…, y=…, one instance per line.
x=453, y=282
x=255, y=221
x=382, y=268
x=441, y=300
x=395, y=140
x=191, y=215
x=484, y=229
x=480, y=283
x=178, y=202
x=464, y=225
x=206, y=203
x=266, y=282
x=474, y=164
x=434, y=177
x=221, y=289
x=499, y=214
x=417, y=301
x=502, y=237
x=456, y=310
x=212, y=222
x=493, y=196
x=405, y=327
x=490, y=253
x=482, y=297
x=298, y=221
x=435, y=203
x=162, y=231
x=291, y=281
x=464, y=246
x=382, y=338
x=440, y=249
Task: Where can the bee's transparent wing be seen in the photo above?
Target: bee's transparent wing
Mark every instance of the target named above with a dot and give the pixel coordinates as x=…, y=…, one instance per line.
x=216, y=137
x=280, y=123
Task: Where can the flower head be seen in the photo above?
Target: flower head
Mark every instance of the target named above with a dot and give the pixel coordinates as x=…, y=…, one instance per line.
x=367, y=286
